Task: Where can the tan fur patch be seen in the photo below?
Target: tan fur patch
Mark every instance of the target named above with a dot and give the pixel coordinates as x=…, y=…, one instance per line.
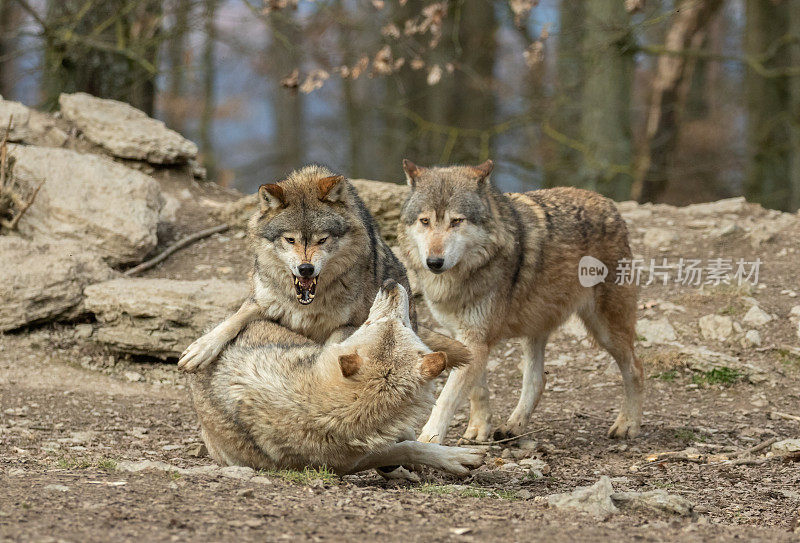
x=433, y=364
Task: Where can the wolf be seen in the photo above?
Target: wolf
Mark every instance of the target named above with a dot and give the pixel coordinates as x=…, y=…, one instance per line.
x=277, y=400
x=318, y=261
x=494, y=266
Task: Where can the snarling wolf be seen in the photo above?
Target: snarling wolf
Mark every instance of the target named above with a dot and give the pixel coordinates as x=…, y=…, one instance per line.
x=276, y=400
x=318, y=263
x=494, y=266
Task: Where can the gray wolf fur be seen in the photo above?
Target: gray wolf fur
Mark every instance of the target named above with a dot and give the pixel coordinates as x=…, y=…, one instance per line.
x=318, y=263
x=276, y=400
x=494, y=266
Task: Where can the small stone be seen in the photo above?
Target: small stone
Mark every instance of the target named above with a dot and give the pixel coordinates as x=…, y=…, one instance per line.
x=83, y=331
x=527, y=444
x=198, y=450
x=654, y=500
x=756, y=317
x=657, y=331
x=752, y=339
x=510, y=466
x=536, y=464
x=171, y=447
x=595, y=499
x=260, y=480
x=246, y=493
x=57, y=488
x=795, y=312
x=460, y=531
x=133, y=376
x=658, y=238
x=716, y=327
x=237, y=472
x=786, y=446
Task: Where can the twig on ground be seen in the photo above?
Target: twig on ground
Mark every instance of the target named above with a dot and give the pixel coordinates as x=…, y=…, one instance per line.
x=180, y=244
x=513, y=438
x=756, y=448
x=786, y=416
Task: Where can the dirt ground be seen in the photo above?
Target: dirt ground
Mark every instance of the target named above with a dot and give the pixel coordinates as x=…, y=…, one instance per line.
x=72, y=415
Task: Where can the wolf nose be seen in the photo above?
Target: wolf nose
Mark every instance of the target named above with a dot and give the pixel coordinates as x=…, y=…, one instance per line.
x=306, y=270
x=435, y=263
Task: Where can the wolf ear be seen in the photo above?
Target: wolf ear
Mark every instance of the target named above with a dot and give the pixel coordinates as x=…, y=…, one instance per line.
x=412, y=172
x=331, y=188
x=271, y=196
x=349, y=364
x=483, y=170
x=433, y=364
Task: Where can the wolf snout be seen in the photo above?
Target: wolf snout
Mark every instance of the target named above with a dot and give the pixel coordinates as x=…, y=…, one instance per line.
x=306, y=270
x=435, y=264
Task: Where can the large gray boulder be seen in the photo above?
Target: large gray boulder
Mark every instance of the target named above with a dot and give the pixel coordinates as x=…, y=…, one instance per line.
x=109, y=209
x=44, y=281
x=159, y=317
x=125, y=131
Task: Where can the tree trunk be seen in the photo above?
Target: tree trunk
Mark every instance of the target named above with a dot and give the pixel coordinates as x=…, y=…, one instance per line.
x=566, y=108
x=769, y=135
x=109, y=51
x=605, y=119
x=670, y=82
x=175, y=110
x=794, y=108
x=9, y=25
x=209, y=94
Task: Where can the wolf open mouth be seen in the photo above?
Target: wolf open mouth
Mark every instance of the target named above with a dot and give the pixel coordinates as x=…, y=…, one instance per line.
x=305, y=289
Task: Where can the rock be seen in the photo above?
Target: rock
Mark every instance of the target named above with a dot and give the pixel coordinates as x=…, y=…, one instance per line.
x=795, y=311
x=237, y=472
x=57, y=488
x=83, y=331
x=143, y=465
x=245, y=493
x=752, y=339
x=657, y=238
x=595, y=499
x=159, y=317
x=19, y=115
x=133, y=376
x=766, y=230
x=383, y=200
x=125, y=131
x=716, y=327
x=656, y=331
x=756, y=317
x=658, y=501
x=107, y=208
x=44, y=281
x=721, y=207
x=198, y=450
x=786, y=446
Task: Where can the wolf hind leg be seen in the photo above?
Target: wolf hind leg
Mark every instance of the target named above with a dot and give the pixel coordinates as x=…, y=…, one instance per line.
x=612, y=322
x=480, y=413
x=533, y=382
x=455, y=460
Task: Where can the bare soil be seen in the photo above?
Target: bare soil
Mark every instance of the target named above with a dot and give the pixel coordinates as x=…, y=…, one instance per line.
x=71, y=412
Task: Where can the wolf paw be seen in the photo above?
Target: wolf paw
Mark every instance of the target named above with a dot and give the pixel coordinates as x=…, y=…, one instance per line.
x=425, y=437
x=478, y=432
x=624, y=427
x=200, y=353
x=459, y=460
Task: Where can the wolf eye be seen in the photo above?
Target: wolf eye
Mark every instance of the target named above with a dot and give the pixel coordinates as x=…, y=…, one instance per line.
x=322, y=240
x=456, y=222
x=424, y=221
x=289, y=240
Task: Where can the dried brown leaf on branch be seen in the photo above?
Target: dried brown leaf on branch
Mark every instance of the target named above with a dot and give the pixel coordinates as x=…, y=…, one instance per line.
x=521, y=9
x=314, y=81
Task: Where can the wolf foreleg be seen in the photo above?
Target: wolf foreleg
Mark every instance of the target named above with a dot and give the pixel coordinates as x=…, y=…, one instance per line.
x=455, y=460
x=206, y=349
x=459, y=383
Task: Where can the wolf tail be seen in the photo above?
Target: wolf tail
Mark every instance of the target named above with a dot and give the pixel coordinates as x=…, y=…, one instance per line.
x=457, y=353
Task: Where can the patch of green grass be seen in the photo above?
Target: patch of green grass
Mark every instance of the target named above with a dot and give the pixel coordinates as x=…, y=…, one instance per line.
x=640, y=339
x=718, y=376
x=668, y=376
x=687, y=435
x=732, y=309
x=107, y=464
x=306, y=476
x=467, y=491
x=70, y=462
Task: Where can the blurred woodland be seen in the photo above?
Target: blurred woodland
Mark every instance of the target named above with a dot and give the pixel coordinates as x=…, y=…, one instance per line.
x=667, y=101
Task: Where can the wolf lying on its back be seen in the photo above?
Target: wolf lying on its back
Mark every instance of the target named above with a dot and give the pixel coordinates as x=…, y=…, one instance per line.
x=276, y=400
x=319, y=262
x=494, y=266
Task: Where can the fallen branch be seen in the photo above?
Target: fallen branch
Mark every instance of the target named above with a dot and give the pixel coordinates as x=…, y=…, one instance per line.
x=12, y=224
x=506, y=440
x=180, y=244
x=756, y=448
x=9, y=198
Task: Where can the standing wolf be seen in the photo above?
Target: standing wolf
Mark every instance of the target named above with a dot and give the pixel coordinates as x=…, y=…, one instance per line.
x=277, y=400
x=318, y=263
x=494, y=266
